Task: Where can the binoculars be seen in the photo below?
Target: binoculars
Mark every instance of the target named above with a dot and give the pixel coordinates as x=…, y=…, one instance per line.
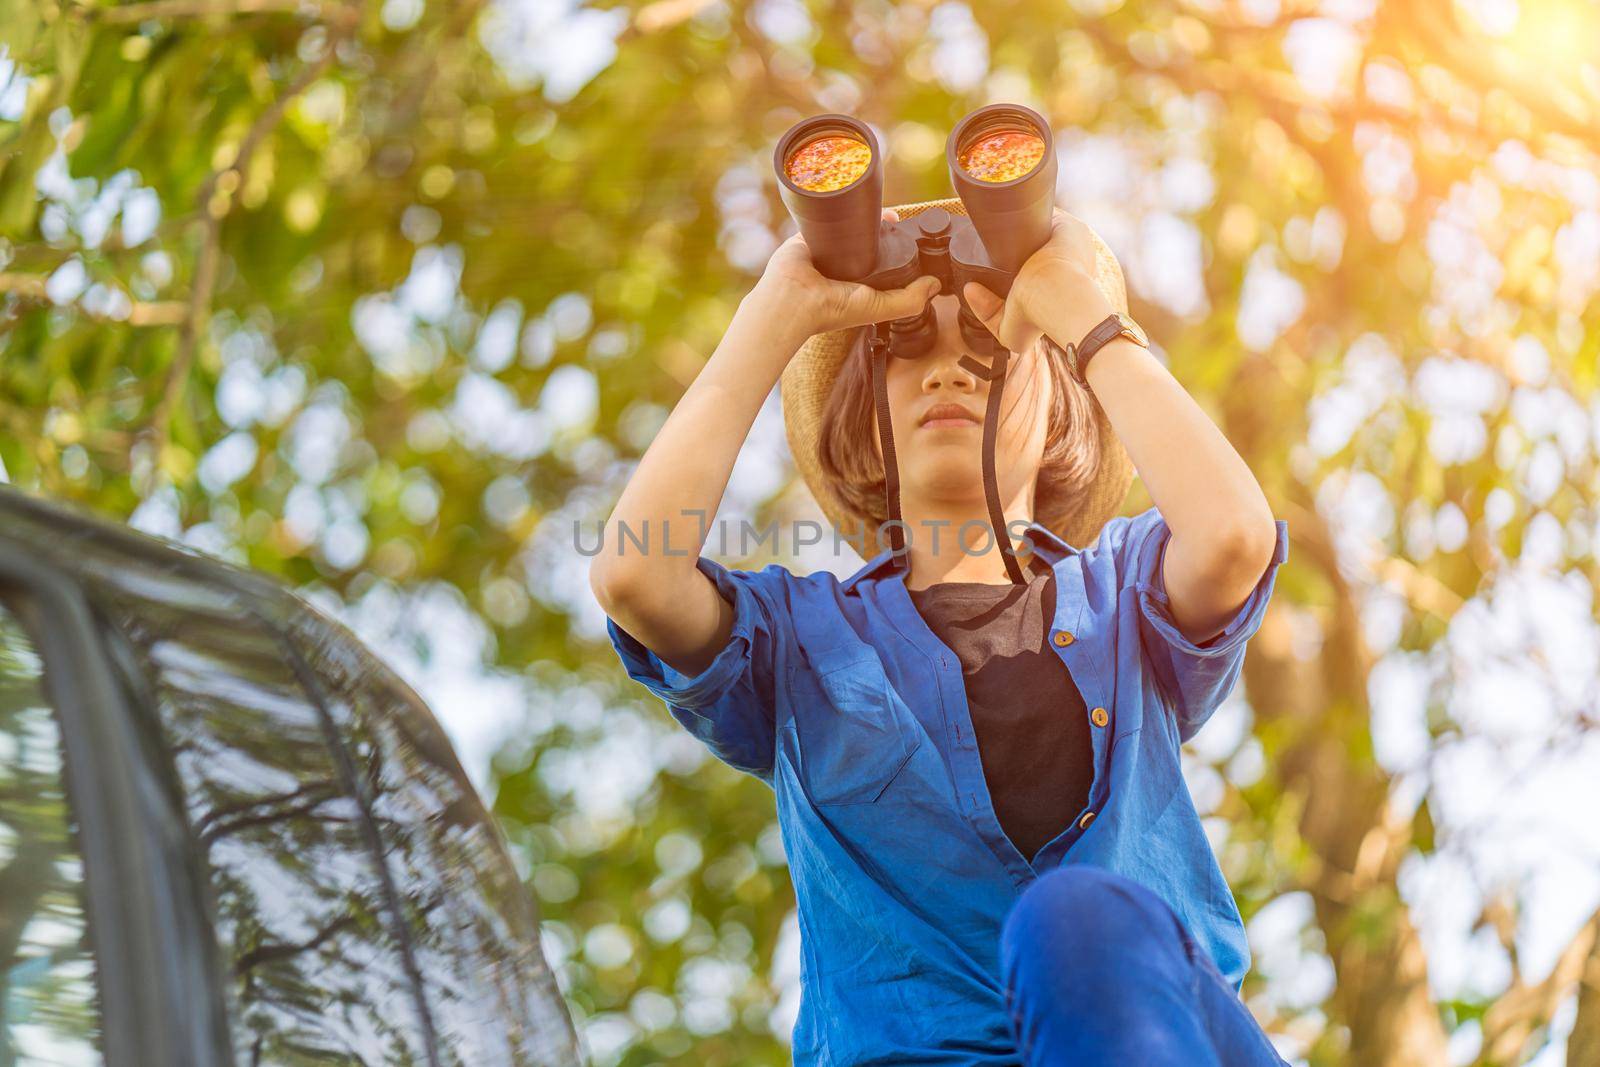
x=1003, y=166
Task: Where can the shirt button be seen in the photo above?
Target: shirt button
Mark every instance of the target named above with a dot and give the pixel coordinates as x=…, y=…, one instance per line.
x=1085, y=820
x=1099, y=716
x=1063, y=638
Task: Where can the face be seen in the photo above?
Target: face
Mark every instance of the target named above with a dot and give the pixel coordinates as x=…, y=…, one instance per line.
x=941, y=457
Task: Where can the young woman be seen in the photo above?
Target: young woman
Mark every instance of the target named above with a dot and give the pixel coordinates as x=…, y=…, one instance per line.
x=994, y=855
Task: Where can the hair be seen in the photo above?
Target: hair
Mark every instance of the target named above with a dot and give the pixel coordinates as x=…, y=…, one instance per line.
x=849, y=458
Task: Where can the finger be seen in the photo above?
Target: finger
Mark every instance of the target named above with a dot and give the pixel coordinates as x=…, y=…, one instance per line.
x=899, y=303
x=984, y=304
x=891, y=215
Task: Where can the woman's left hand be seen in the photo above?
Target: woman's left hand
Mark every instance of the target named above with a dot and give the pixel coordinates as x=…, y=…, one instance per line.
x=1054, y=293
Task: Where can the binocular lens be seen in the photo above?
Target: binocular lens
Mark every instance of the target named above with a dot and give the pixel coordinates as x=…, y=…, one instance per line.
x=1002, y=155
x=828, y=163
x=1003, y=165
x=830, y=176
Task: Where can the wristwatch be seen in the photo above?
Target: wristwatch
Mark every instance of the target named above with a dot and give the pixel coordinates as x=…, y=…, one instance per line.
x=1109, y=328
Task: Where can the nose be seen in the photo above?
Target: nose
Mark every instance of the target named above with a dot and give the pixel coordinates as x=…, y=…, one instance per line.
x=943, y=371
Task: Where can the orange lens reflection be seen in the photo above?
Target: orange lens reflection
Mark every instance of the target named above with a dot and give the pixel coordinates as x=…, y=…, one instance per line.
x=828, y=163
x=1002, y=156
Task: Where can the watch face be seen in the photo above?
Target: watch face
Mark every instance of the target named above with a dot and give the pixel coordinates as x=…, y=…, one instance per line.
x=1132, y=329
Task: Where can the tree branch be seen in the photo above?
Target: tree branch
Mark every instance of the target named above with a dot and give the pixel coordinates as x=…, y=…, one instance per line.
x=1583, y=1044
x=215, y=202
x=31, y=288
x=128, y=14
x=1519, y=1012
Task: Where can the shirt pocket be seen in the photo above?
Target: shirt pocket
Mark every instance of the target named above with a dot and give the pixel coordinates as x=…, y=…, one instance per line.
x=855, y=736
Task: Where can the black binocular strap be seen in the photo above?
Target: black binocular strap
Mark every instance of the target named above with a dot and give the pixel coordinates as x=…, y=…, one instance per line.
x=995, y=374
x=878, y=349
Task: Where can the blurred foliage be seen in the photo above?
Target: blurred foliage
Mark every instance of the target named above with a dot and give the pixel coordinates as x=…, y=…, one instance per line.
x=382, y=297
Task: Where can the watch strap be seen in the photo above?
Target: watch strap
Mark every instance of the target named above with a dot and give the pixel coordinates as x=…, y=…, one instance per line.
x=1103, y=332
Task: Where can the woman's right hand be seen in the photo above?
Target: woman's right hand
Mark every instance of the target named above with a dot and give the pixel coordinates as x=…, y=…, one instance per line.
x=809, y=303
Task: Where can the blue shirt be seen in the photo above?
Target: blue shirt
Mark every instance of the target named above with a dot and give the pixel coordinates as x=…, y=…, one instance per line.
x=838, y=696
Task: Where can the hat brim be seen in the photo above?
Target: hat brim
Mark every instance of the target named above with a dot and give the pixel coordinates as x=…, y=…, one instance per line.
x=808, y=380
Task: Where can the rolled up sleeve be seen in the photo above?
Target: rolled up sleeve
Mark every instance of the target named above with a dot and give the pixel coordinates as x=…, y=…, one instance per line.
x=729, y=706
x=1196, y=677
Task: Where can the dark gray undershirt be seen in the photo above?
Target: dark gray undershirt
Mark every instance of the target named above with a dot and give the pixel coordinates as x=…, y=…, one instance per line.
x=1030, y=721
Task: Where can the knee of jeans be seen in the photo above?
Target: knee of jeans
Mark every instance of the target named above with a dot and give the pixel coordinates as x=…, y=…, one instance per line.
x=1081, y=910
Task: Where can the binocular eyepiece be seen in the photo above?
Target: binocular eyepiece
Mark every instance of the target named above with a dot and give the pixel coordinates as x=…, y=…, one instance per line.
x=1003, y=167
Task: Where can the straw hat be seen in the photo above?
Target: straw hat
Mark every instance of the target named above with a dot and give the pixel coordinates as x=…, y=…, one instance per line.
x=810, y=375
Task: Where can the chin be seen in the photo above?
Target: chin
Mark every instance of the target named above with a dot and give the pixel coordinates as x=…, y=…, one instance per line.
x=947, y=477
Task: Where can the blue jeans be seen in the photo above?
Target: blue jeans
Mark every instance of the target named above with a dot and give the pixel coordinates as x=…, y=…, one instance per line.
x=1099, y=971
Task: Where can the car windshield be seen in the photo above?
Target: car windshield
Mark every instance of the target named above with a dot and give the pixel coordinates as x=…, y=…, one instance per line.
x=49, y=1012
